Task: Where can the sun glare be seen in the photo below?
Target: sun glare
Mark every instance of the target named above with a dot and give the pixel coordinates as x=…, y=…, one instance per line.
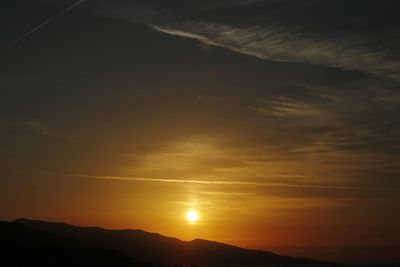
x=192, y=216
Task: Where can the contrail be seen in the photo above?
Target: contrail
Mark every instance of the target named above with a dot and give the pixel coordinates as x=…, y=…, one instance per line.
x=44, y=23
x=229, y=182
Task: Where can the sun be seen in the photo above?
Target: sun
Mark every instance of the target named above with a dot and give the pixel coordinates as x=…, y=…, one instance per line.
x=192, y=216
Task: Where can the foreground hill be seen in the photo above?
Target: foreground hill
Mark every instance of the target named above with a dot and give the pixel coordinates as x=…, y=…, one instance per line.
x=160, y=250
x=24, y=246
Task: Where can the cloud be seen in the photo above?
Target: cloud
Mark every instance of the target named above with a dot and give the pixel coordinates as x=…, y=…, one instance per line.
x=291, y=45
x=285, y=107
x=37, y=127
x=335, y=130
x=275, y=30
x=322, y=127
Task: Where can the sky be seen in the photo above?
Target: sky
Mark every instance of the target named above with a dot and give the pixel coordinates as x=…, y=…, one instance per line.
x=276, y=120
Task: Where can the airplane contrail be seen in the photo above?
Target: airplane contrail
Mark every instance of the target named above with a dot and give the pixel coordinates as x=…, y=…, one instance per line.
x=229, y=182
x=19, y=39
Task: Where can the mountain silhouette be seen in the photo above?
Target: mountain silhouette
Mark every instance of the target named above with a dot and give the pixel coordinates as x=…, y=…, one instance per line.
x=24, y=246
x=159, y=250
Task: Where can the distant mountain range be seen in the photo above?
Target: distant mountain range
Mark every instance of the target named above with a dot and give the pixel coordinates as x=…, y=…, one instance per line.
x=21, y=246
x=126, y=247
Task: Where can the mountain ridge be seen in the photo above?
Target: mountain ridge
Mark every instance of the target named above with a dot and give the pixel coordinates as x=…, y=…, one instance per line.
x=23, y=246
x=158, y=249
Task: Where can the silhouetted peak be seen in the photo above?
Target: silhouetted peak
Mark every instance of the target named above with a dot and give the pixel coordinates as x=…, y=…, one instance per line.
x=24, y=246
x=157, y=249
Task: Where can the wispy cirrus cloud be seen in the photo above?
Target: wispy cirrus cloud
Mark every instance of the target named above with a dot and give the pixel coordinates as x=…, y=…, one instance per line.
x=275, y=30
x=37, y=127
x=292, y=45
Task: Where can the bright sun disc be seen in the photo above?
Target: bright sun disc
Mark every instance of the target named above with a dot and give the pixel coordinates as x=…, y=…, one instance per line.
x=192, y=216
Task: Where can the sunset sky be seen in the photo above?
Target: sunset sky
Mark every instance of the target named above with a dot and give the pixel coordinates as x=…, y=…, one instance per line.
x=277, y=121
